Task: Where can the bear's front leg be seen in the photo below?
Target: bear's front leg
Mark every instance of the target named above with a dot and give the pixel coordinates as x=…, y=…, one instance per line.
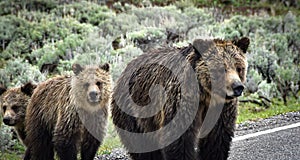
x=183, y=148
x=89, y=146
x=38, y=140
x=216, y=144
x=66, y=136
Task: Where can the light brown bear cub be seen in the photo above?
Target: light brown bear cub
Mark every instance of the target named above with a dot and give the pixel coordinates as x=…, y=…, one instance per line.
x=13, y=104
x=69, y=113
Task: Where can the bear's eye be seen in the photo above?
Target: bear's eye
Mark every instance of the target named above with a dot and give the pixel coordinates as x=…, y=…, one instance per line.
x=86, y=85
x=238, y=69
x=4, y=108
x=98, y=84
x=14, y=107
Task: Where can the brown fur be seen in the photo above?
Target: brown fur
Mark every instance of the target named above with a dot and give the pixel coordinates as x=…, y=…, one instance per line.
x=13, y=103
x=56, y=114
x=205, y=57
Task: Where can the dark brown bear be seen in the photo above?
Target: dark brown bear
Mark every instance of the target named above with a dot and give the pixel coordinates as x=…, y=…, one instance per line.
x=13, y=103
x=160, y=84
x=69, y=113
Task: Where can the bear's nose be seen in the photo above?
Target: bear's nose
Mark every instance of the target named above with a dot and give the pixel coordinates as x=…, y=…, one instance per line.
x=237, y=88
x=6, y=120
x=93, y=95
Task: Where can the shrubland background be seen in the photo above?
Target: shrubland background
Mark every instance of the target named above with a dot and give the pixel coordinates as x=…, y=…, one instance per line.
x=43, y=38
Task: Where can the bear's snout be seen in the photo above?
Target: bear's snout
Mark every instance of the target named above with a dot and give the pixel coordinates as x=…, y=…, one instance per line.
x=237, y=88
x=93, y=95
x=9, y=118
x=234, y=85
x=8, y=121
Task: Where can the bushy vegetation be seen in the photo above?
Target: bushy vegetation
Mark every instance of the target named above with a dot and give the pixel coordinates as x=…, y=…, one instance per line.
x=6, y=138
x=41, y=38
x=10, y=148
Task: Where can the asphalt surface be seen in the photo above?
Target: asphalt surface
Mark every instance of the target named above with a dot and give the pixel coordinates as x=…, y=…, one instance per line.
x=282, y=144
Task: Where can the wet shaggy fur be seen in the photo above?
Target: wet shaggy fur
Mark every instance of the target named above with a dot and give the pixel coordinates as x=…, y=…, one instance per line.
x=13, y=103
x=59, y=113
x=224, y=59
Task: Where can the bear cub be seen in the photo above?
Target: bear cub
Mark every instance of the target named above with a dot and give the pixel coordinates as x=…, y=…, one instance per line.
x=13, y=103
x=68, y=114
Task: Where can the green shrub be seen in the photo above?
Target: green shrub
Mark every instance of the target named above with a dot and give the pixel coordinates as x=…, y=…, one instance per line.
x=6, y=138
x=268, y=90
x=84, y=12
x=85, y=32
x=15, y=6
x=9, y=31
x=121, y=58
x=18, y=72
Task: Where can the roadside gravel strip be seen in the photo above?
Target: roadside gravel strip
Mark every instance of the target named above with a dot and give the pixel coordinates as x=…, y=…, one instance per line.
x=116, y=154
x=268, y=123
x=242, y=129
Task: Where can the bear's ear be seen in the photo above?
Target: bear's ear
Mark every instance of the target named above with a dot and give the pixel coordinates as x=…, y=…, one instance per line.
x=105, y=67
x=2, y=89
x=28, y=88
x=77, y=68
x=242, y=43
x=201, y=46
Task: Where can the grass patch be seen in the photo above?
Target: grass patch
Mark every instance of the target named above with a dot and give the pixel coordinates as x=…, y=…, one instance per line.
x=10, y=156
x=111, y=140
x=249, y=111
x=15, y=153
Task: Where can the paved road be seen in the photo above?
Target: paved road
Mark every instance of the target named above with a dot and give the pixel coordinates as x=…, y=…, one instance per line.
x=279, y=145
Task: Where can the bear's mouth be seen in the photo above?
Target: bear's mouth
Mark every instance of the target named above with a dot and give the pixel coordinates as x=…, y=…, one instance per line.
x=94, y=99
x=230, y=97
x=94, y=102
x=10, y=122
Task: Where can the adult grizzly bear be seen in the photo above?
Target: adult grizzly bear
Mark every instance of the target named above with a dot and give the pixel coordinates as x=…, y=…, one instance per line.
x=68, y=113
x=181, y=103
x=13, y=103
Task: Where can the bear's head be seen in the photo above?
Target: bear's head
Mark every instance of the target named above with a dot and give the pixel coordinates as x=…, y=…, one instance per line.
x=14, y=102
x=223, y=62
x=91, y=85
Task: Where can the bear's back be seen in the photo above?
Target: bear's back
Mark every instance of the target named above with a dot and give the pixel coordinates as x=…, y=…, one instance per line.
x=49, y=96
